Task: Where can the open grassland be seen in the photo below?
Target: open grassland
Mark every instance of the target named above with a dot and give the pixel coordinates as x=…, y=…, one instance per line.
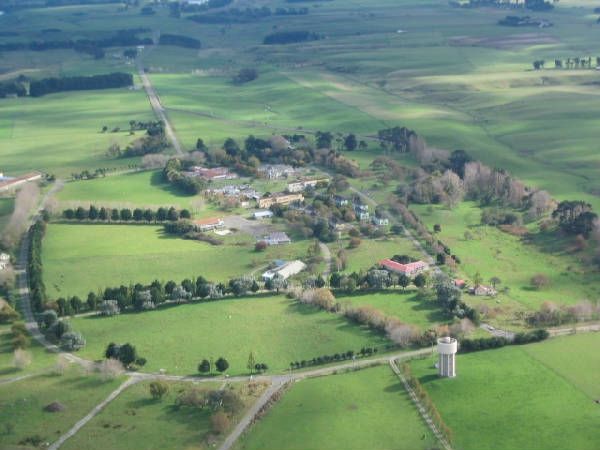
x=6, y=208
x=356, y=410
x=276, y=329
x=40, y=358
x=508, y=396
x=152, y=424
x=82, y=258
x=22, y=407
x=61, y=133
x=406, y=306
x=492, y=252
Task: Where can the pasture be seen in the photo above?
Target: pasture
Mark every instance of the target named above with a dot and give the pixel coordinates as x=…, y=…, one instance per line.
x=520, y=396
x=494, y=253
x=355, y=410
x=40, y=358
x=82, y=258
x=7, y=205
x=152, y=424
x=22, y=408
x=278, y=331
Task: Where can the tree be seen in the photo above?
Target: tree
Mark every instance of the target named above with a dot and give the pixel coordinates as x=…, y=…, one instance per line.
x=81, y=214
x=403, y=280
x=72, y=341
x=437, y=228
x=260, y=246
x=251, y=362
x=125, y=214
x=114, y=215
x=540, y=281
x=458, y=159
x=204, y=366
x=323, y=139
x=158, y=389
x=477, y=279
x=201, y=146
x=420, y=280
x=350, y=142
x=93, y=212
x=245, y=76
x=127, y=354
x=222, y=364
x=495, y=281
x=138, y=215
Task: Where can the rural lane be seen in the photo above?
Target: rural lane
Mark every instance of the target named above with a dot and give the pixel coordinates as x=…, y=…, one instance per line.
x=159, y=111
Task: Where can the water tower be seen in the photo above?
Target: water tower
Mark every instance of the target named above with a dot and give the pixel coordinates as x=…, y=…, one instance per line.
x=447, y=348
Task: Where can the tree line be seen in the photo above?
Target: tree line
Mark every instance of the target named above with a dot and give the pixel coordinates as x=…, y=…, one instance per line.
x=290, y=37
x=236, y=15
x=102, y=214
x=569, y=63
x=45, y=86
x=528, y=337
x=179, y=41
x=37, y=289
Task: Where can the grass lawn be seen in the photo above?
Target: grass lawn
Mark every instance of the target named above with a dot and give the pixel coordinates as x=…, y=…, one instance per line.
x=23, y=402
x=83, y=258
x=135, y=417
x=40, y=358
x=403, y=305
x=276, y=329
x=507, y=396
x=495, y=253
x=356, y=410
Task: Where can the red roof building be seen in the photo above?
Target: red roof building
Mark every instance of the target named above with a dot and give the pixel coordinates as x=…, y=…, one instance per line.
x=409, y=269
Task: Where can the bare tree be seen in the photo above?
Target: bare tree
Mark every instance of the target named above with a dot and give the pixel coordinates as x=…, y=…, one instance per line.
x=25, y=201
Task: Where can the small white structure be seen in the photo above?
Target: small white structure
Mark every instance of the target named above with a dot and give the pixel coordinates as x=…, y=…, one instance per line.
x=285, y=271
x=447, y=348
x=4, y=261
x=264, y=214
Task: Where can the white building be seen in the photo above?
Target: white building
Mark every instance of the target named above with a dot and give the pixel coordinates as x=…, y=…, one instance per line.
x=4, y=261
x=285, y=271
x=447, y=348
x=264, y=214
x=277, y=238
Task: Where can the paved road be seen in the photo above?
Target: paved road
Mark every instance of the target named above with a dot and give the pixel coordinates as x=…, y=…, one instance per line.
x=81, y=423
x=159, y=111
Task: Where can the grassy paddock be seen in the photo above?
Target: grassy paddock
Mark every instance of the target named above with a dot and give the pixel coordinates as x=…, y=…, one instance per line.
x=357, y=410
x=276, y=329
x=508, y=396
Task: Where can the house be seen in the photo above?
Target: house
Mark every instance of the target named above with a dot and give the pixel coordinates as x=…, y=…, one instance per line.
x=279, y=199
x=265, y=214
x=277, y=238
x=4, y=261
x=285, y=270
x=216, y=173
x=301, y=185
x=340, y=201
x=483, y=291
x=459, y=283
x=7, y=183
x=363, y=216
x=276, y=171
x=213, y=223
x=410, y=269
x=381, y=221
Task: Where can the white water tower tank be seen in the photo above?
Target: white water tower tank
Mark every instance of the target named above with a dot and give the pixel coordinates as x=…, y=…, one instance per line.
x=447, y=348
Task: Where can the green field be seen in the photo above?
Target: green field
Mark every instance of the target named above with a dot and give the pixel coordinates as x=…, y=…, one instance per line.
x=276, y=329
x=83, y=258
x=6, y=209
x=520, y=396
x=22, y=405
x=495, y=253
x=405, y=306
x=357, y=410
x=135, y=417
x=371, y=251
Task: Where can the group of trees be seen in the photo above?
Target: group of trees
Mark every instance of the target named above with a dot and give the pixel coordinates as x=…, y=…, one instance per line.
x=126, y=354
x=290, y=37
x=575, y=217
x=58, y=330
x=45, y=86
x=172, y=173
x=533, y=5
x=326, y=359
x=552, y=315
x=473, y=345
x=521, y=21
x=570, y=63
x=179, y=41
x=244, y=75
x=37, y=289
x=102, y=214
x=236, y=15
x=154, y=141
x=12, y=88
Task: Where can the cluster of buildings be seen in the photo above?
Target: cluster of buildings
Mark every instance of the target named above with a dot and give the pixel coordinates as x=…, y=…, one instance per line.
x=301, y=185
x=243, y=193
x=276, y=171
x=4, y=261
x=362, y=212
x=279, y=199
x=211, y=174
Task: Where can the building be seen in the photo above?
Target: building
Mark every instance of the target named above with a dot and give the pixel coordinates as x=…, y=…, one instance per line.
x=266, y=214
x=363, y=216
x=285, y=270
x=381, y=221
x=301, y=185
x=216, y=173
x=276, y=171
x=483, y=291
x=409, y=269
x=214, y=223
x=277, y=238
x=447, y=348
x=460, y=283
x=7, y=183
x=341, y=201
x=280, y=199
x=4, y=261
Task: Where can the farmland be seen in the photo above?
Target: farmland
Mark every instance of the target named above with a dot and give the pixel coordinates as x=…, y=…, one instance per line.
x=84, y=258
x=276, y=329
x=332, y=407
x=514, y=390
